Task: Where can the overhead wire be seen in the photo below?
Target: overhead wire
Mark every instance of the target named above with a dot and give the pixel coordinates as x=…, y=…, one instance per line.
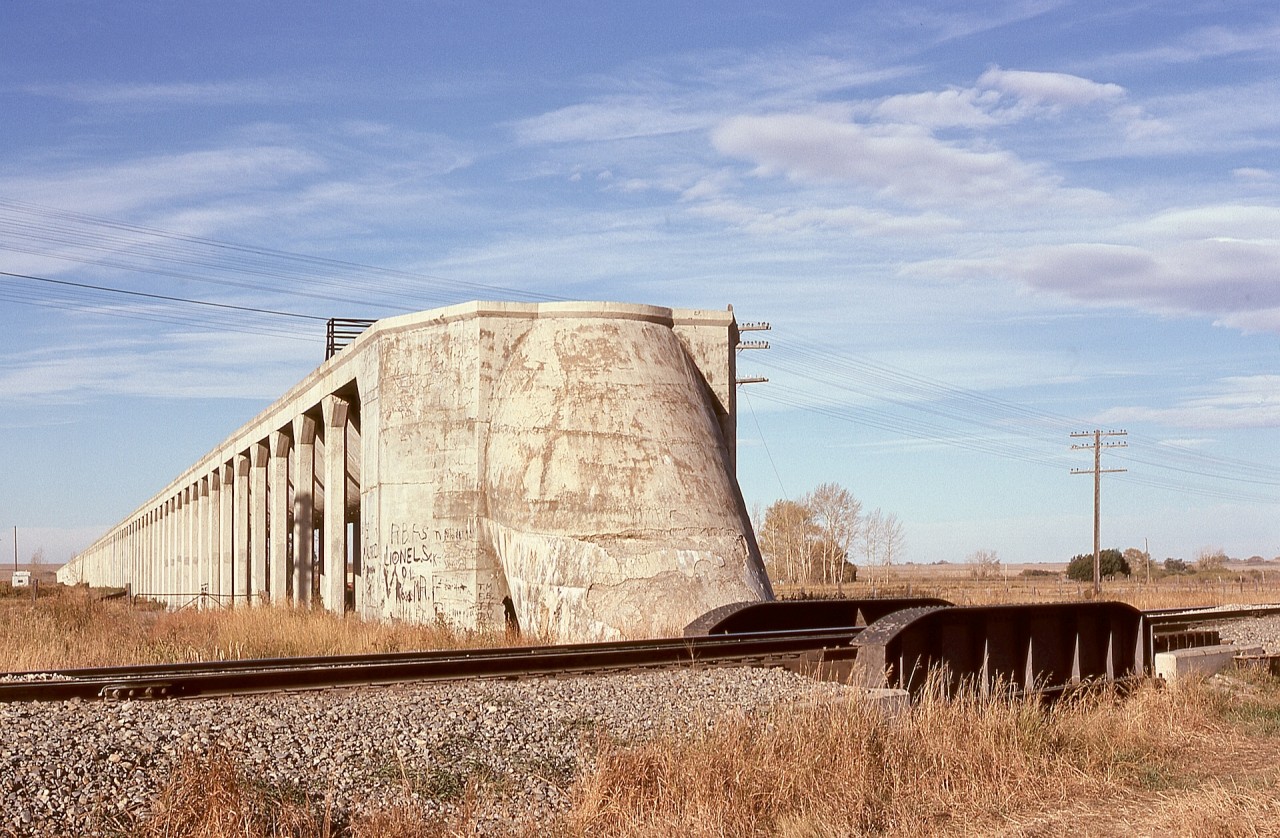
x=919, y=408
x=934, y=412
x=87, y=239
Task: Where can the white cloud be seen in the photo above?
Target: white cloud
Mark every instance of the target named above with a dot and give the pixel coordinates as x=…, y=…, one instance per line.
x=168, y=363
x=1249, y=174
x=122, y=187
x=1236, y=280
x=899, y=162
x=966, y=108
x=605, y=120
x=1213, y=221
x=861, y=221
x=1050, y=89
x=1237, y=402
x=191, y=93
x=1204, y=44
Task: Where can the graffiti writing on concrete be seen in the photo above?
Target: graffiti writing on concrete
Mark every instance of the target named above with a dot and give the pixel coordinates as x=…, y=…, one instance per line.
x=410, y=566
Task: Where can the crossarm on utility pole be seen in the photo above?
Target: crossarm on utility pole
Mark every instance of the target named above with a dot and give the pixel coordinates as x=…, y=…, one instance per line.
x=1097, y=471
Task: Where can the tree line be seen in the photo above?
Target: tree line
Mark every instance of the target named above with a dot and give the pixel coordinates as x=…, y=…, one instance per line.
x=820, y=537
x=1135, y=562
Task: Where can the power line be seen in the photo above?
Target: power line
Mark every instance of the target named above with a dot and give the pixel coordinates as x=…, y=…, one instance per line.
x=78, y=237
x=164, y=297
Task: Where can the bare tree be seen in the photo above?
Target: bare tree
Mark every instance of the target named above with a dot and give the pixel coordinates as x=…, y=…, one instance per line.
x=892, y=538
x=1211, y=558
x=872, y=526
x=37, y=559
x=837, y=513
x=787, y=537
x=984, y=564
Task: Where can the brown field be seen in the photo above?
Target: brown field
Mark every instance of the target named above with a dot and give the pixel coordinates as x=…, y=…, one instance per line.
x=1236, y=584
x=1202, y=758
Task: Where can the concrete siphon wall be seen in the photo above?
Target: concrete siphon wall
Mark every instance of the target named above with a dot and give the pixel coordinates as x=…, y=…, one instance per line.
x=573, y=459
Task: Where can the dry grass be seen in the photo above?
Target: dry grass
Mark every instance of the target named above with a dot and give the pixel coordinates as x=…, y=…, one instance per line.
x=1198, y=759
x=207, y=796
x=969, y=766
x=1193, y=760
x=949, y=584
x=75, y=629
x=947, y=767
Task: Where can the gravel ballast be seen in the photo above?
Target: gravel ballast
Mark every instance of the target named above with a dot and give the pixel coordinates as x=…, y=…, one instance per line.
x=84, y=768
x=91, y=768
x=1252, y=631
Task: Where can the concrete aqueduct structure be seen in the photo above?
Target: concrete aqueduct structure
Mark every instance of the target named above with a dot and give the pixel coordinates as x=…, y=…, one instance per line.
x=567, y=465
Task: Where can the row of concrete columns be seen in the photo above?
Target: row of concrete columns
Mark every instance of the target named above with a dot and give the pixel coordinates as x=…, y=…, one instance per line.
x=225, y=538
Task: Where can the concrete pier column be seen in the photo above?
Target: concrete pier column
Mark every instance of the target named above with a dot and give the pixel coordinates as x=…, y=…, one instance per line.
x=213, y=547
x=278, y=514
x=179, y=548
x=258, y=460
x=333, y=582
x=304, y=457
x=226, y=531
x=204, y=553
x=171, y=550
x=144, y=555
x=190, y=542
x=193, y=541
x=166, y=553
x=162, y=553
x=194, y=526
x=175, y=550
x=241, y=527
x=153, y=553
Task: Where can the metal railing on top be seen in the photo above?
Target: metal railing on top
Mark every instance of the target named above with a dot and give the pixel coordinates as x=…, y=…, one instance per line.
x=341, y=331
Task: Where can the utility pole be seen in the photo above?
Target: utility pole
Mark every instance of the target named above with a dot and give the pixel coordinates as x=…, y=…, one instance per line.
x=1097, y=471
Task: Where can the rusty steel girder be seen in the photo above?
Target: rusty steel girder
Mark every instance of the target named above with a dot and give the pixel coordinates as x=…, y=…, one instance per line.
x=1041, y=648
x=800, y=614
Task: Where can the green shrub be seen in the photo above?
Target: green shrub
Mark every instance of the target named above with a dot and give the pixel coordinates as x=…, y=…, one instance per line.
x=1110, y=562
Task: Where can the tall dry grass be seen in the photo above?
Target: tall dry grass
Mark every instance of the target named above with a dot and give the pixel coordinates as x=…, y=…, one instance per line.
x=974, y=765
x=74, y=628
x=1154, y=762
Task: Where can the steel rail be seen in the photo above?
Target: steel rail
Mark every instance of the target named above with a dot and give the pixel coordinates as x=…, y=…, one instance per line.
x=285, y=674
x=1163, y=617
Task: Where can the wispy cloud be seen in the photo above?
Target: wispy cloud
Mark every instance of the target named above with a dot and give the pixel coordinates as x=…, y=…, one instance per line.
x=131, y=184
x=1206, y=44
x=169, y=363
x=1236, y=402
x=899, y=162
x=610, y=119
x=1055, y=90
x=173, y=93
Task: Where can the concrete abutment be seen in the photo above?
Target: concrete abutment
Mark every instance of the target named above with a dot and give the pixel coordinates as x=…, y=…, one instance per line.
x=574, y=459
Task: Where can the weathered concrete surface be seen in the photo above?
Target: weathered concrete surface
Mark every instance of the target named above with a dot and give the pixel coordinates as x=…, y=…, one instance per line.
x=1203, y=660
x=607, y=481
x=573, y=459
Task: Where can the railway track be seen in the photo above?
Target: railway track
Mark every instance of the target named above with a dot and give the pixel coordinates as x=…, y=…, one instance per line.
x=222, y=678
x=1042, y=648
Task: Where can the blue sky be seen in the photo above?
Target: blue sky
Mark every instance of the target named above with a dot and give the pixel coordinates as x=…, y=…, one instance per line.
x=974, y=228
